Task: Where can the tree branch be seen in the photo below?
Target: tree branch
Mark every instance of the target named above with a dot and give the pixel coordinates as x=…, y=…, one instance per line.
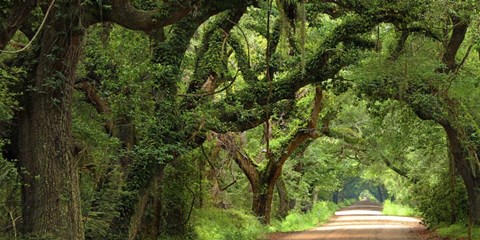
x=400, y=45
x=125, y=14
x=92, y=96
x=9, y=25
x=460, y=27
x=245, y=163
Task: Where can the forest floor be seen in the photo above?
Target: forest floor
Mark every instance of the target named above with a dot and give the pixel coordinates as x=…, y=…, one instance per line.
x=363, y=221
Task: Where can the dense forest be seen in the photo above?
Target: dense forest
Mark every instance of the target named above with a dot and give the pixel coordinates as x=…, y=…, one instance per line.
x=226, y=119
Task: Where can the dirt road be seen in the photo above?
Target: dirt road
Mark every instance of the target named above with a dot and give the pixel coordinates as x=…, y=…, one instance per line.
x=361, y=221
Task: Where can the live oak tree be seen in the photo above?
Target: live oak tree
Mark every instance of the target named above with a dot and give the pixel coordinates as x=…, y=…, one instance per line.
x=264, y=179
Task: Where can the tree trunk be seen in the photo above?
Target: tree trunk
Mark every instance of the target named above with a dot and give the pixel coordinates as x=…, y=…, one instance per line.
x=469, y=171
x=381, y=194
x=262, y=202
x=314, y=196
x=154, y=227
x=139, y=216
x=201, y=176
x=50, y=188
x=124, y=130
x=335, y=197
x=283, y=199
x=453, y=205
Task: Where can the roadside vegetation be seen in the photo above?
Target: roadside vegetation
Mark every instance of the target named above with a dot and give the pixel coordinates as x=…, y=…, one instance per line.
x=298, y=221
x=219, y=224
x=391, y=208
x=459, y=231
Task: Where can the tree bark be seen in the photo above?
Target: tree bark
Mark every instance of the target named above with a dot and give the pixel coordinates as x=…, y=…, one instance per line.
x=50, y=190
x=124, y=129
x=459, y=30
x=451, y=173
x=154, y=226
x=283, y=199
x=141, y=207
x=335, y=197
x=381, y=193
x=125, y=14
x=469, y=171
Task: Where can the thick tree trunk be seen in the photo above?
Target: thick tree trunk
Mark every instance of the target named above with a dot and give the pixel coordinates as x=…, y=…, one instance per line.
x=154, y=226
x=138, y=214
x=50, y=190
x=335, y=197
x=381, y=193
x=201, y=176
x=451, y=170
x=283, y=199
x=469, y=172
x=262, y=202
x=124, y=130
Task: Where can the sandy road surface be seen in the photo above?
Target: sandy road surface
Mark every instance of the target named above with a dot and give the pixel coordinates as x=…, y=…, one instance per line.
x=361, y=221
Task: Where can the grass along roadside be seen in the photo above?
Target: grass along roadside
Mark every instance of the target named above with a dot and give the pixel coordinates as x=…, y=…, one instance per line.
x=394, y=209
x=223, y=224
x=457, y=231
x=298, y=221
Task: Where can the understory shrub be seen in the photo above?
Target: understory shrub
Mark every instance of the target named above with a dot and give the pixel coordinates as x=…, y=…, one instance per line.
x=394, y=209
x=221, y=224
x=298, y=221
x=347, y=202
x=435, y=202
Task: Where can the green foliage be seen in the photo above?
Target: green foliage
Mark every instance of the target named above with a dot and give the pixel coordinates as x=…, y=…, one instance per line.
x=8, y=78
x=178, y=195
x=220, y=224
x=9, y=196
x=435, y=201
x=297, y=221
x=346, y=202
x=99, y=182
x=99, y=207
x=394, y=209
